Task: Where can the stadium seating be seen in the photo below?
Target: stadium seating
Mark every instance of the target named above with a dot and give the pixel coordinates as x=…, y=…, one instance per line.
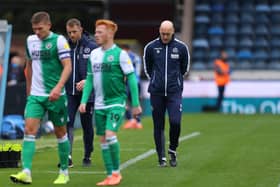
x=248, y=30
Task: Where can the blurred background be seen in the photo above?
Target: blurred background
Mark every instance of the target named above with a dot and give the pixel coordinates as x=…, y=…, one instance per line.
x=248, y=30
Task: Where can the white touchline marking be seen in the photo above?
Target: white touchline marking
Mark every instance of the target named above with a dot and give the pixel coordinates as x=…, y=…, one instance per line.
x=127, y=163
x=79, y=172
x=153, y=151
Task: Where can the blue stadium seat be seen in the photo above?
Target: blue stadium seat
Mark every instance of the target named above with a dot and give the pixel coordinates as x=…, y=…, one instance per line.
x=217, y=7
x=232, y=6
x=198, y=65
x=216, y=30
x=231, y=29
x=261, y=42
x=199, y=54
x=230, y=41
x=261, y=29
x=275, y=29
x=262, y=8
x=202, y=19
x=275, y=65
x=247, y=6
x=200, y=42
x=275, y=8
x=275, y=42
x=232, y=18
x=275, y=19
x=275, y=54
x=213, y=54
x=244, y=54
x=246, y=29
x=246, y=18
x=217, y=18
x=262, y=18
x=216, y=42
x=203, y=8
x=261, y=55
x=245, y=42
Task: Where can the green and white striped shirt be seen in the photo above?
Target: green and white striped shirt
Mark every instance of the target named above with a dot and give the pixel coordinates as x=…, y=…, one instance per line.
x=45, y=56
x=107, y=70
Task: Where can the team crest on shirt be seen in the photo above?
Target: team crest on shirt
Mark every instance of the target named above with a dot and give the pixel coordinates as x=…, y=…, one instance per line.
x=158, y=50
x=174, y=54
x=110, y=58
x=48, y=45
x=175, y=50
x=86, y=50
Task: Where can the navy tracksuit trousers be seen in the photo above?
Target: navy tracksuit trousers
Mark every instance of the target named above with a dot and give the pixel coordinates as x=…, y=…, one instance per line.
x=173, y=104
x=86, y=122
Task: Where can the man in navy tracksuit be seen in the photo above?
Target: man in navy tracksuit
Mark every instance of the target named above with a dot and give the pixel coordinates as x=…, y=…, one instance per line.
x=81, y=46
x=166, y=61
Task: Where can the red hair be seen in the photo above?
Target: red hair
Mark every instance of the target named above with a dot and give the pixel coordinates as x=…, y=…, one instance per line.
x=108, y=23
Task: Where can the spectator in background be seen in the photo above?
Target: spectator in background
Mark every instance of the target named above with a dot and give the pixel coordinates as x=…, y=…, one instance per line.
x=166, y=61
x=222, y=76
x=131, y=122
x=81, y=44
x=15, y=69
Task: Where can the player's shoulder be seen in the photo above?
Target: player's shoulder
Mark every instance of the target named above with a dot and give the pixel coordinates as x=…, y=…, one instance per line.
x=32, y=37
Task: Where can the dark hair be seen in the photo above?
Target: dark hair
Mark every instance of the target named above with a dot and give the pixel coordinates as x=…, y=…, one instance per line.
x=73, y=21
x=41, y=16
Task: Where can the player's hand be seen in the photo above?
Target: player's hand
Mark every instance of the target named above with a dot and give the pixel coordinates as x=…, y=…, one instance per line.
x=55, y=94
x=80, y=85
x=82, y=108
x=136, y=111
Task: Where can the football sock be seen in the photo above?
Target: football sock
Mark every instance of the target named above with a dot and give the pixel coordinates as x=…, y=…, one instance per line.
x=28, y=151
x=115, y=151
x=63, y=151
x=106, y=155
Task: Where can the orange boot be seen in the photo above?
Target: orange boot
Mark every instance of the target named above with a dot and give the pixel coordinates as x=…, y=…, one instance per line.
x=130, y=124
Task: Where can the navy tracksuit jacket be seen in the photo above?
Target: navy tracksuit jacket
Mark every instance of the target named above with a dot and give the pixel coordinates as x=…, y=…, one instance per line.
x=165, y=65
x=80, y=53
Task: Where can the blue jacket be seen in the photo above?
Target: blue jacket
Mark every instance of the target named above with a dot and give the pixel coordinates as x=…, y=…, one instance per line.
x=80, y=53
x=165, y=65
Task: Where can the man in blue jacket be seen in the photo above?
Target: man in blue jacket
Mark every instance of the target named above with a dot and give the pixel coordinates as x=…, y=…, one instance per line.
x=166, y=61
x=81, y=46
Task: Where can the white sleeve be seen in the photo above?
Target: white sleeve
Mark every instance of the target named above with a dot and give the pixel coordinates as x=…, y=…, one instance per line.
x=63, y=48
x=126, y=63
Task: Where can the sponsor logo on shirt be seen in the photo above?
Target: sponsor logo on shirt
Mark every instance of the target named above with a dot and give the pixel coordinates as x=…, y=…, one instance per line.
x=101, y=67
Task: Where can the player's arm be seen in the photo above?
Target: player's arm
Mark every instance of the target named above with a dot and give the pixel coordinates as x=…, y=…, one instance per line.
x=133, y=88
x=87, y=88
x=63, y=51
x=127, y=68
x=185, y=64
x=28, y=69
x=28, y=76
x=67, y=69
x=148, y=61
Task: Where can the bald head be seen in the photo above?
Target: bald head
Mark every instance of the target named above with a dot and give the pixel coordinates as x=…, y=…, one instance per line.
x=166, y=31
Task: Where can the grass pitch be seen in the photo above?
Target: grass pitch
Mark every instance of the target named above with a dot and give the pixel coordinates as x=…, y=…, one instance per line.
x=225, y=151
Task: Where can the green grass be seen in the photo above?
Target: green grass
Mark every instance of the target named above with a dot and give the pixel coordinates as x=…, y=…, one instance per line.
x=231, y=151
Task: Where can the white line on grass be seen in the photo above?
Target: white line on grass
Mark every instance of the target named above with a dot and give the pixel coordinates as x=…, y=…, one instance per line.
x=153, y=151
x=127, y=163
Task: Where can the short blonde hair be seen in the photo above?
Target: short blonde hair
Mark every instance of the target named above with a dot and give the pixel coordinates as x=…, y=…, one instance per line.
x=108, y=23
x=41, y=16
